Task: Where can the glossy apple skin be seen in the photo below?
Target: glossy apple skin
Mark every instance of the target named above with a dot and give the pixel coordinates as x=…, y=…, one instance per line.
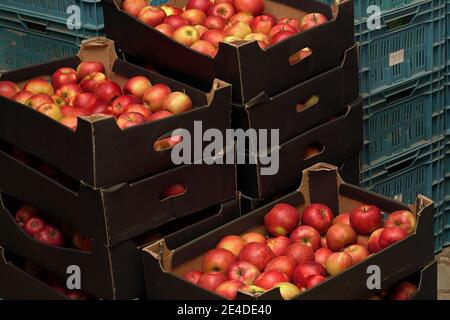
x=139, y=108
x=288, y=290
x=177, y=102
x=37, y=86
x=211, y=280
x=314, y=280
x=268, y=279
x=193, y=276
x=402, y=218
x=152, y=16
x=154, y=97
x=391, y=235
x=281, y=36
x=218, y=260
x=86, y=67
x=365, y=219
x=281, y=219
x=137, y=86
x=306, y=269
x=108, y=91
x=312, y=20
x=343, y=218
x=204, y=47
x=229, y=289
x=202, y=5
x=283, y=264
x=281, y=27
x=194, y=16
x=278, y=245
x=300, y=252
x=318, y=216
x=244, y=272
x=8, y=89
x=337, y=262
x=159, y=115
x=321, y=255
x=402, y=291
x=186, y=35
x=263, y=23
x=257, y=254
x=254, y=237
x=232, y=243
x=339, y=236
x=133, y=7
x=224, y=10
x=373, y=244
x=214, y=37
x=255, y=7
x=64, y=76
x=215, y=22
x=306, y=235
x=358, y=253
x=176, y=21
x=120, y=104
x=91, y=81
x=130, y=119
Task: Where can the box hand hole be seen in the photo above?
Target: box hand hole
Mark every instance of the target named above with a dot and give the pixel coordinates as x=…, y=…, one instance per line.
x=173, y=191
x=300, y=55
x=311, y=102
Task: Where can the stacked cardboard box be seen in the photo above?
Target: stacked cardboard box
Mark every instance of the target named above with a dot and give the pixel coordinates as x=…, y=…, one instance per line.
x=108, y=182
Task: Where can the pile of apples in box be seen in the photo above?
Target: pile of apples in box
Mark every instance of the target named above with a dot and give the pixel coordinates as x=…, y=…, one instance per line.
x=70, y=93
x=304, y=250
x=202, y=24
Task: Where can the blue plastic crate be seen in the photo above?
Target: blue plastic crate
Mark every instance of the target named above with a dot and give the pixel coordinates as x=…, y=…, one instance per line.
x=385, y=6
x=403, y=117
x=421, y=171
x=446, y=236
x=438, y=228
x=21, y=47
x=408, y=44
x=56, y=11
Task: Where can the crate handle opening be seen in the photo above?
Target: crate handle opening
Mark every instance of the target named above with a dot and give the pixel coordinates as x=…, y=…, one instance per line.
x=313, y=150
x=400, y=166
x=300, y=55
x=175, y=190
x=311, y=102
x=400, y=22
x=166, y=142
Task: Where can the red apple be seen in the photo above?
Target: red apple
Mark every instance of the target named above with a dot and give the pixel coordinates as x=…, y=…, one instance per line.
x=120, y=104
x=224, y=10
x=313, y=280
x=229, y=289
x=357, y=252
x=201, y=29
x=283, y=264
x=171, y=10
x=77, y=295
x=85, y=68
x=278, y=245
x=186, y=35
x=323, y=242
x=108, y=91
x=194, y=16
x=365, y=219
x=263, y=23
x=339, y=236
x=74, y=112
x=154, y=96
x=139, y=108
x=391, y=235
x=337, y=262
x=244, y=17
x=293, y=22
x=175, y=189
x=33, y=226
x=281, y=219
x=165, y=28
x=193, y=276
x=255, y=7
x=130, y=119
x=250, y=237
x=362, y=240
x=321, y=255
x=403, y=219
x=224, y=1
x=300, y=252
x=306, y=235
x=343, y=218
x=268, y=279
x=263, y=40
x=22, y=96
x=81, y=242
x=218, y=259
x=231, y=39
x=133, y=7
x=244, y=272
x=281, y=36
x=101, y=108
x=281, y=27
x=92, y=80
x=85, y=101
x=8, y=89
x=214, y=37
x=402, y=291
x=37, y=86
x=25, y=213
x=215, y=22
x=232, y=243
x=257, y=254
x=176, y=21
x=158, y=115
x=252, y=290
x=305, y=270
x=51, y=110
x=64, y=76
x=38, y=100
x=288, y=290
x=312, y=20
x=177, y=102
x=211, y=280
x=202, y=5
x=137, y=86
x=318, y=216
x=204, y=47
x=50, y=236
x=70, y=121
x=151, y=15
x=68, y=91
x=373, y=244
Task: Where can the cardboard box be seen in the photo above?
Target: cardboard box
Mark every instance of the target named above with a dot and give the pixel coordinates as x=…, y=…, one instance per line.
x=111, y=215
x=245, y=65
x=348, y=170
x=336, y=141
x=426, y=281
x=164, y=265
x=99, y=153
x=291, y=111
x=107, y=272
x=19, y=285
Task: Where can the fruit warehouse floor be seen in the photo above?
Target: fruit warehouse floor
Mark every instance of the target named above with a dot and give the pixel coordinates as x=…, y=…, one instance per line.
x=444, y=274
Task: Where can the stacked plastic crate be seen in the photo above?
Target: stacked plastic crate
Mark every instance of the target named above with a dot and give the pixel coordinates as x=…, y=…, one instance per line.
x=403, y=79
x=34, y=32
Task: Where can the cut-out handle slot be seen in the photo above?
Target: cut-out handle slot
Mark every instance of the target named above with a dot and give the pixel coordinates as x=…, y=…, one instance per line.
x=313, y=150
x=401, y=166
x=35, y=26
x=173, y=191
x=400, y=22
x=310, y=102
x=300, y=55
x=166, y=142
